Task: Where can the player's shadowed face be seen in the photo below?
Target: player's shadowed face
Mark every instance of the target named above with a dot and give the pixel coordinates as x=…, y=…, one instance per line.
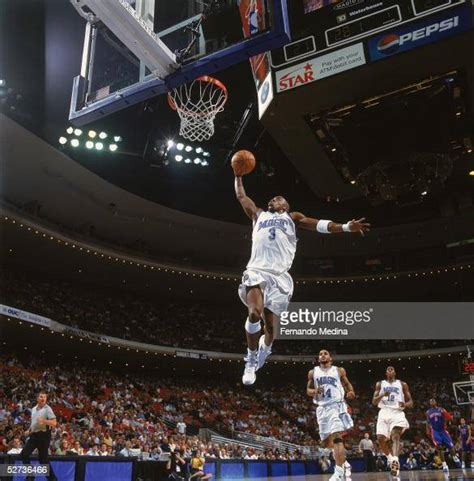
x=324, y=357
x=278, y=204
x=390, y=372
x=433, y=403
x=462, y=421
x=41, y=399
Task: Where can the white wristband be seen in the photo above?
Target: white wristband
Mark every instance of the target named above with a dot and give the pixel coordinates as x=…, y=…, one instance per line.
x=346, y=227
x=323, y=226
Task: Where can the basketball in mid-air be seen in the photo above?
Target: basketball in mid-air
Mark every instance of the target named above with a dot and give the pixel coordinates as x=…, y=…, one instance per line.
x=243, y=162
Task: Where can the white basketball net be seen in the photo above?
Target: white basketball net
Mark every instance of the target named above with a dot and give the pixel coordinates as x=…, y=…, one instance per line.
x=197, y=104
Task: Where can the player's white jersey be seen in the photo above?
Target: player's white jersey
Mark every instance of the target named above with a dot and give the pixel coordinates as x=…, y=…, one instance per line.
x=395, y=395
x=330, y=381
x=273, y=243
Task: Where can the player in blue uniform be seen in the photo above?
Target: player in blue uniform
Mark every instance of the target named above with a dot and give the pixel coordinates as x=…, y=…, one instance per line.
x=465, y=437
x=436, y=418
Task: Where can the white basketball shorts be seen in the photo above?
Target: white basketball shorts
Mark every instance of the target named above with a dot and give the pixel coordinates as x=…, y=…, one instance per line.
x=389, y=419
x=332, y=419
x=277, y=289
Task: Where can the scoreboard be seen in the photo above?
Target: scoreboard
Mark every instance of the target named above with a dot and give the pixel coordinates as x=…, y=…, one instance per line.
x=348, y=21
x=467, y=366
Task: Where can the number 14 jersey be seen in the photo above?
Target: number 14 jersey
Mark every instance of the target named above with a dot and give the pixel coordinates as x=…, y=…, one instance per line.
x=330, y=383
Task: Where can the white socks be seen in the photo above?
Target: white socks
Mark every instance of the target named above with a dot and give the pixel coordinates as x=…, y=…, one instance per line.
x=339, y=470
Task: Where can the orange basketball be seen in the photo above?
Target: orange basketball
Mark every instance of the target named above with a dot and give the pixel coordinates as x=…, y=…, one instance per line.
x=243, y=162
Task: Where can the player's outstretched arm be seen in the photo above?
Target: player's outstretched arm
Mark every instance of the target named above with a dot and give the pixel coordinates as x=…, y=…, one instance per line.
x=346, y=383
x=246, y=202
x=329, y=227
x=408, y=399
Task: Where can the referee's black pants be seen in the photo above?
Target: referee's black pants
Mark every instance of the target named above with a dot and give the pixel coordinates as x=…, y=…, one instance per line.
x=39, y=441
x=369, y=460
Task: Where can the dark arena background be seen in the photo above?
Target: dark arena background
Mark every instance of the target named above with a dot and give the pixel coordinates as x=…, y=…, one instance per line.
x=123, y=244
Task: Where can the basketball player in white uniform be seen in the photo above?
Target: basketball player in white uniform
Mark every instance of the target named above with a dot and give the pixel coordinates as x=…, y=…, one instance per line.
x=329, y=387
x=392, y=396
x=267, y=286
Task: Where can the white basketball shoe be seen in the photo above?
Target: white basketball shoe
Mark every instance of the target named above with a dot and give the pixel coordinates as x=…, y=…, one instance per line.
x=347, y=469
x=338, y=474
x=251, y=366
x=263, y=351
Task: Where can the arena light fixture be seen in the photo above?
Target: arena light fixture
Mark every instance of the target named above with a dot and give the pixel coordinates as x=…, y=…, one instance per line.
x=2, y=82
x=75, y=142
x=198, y=150
x=471, y=173
x=424, y=192
x=92, y=134
x=113, y=147
x=99, y=145
x=170, y=144
x=206, y=154
x=187, y=161
x=77, y=132
x=197, y=160
x=178, y=158
x=180, y=146
x=62, y=140
x=204, y=163
x=188, y=148
x=70, y=130
x=102, y=135
x=89, y=144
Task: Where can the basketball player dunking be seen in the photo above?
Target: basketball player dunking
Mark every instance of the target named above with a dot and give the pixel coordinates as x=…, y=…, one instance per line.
x=436, y=418
x=328, y=386
x=267, y=287
x=392, y=396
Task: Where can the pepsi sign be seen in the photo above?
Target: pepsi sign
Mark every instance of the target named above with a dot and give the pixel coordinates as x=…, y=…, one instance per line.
x=413, y=35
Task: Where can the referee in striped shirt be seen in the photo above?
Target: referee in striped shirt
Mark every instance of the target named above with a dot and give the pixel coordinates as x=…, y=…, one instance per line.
x=39, y=434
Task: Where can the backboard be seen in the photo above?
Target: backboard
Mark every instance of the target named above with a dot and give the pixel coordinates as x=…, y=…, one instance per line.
x=464, y=393
x=137, y=49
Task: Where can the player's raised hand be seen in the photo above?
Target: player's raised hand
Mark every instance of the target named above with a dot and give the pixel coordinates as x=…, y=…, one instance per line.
x=359, y=225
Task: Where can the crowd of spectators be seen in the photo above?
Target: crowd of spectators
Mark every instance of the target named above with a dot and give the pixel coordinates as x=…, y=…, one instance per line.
x=101, y=413
x=104, y=413
x=136, y=317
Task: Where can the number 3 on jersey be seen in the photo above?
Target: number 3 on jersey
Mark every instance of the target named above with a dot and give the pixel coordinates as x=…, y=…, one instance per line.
x=272, y=233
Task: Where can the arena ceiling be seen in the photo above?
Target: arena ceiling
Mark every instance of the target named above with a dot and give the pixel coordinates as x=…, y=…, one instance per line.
x=55, y=34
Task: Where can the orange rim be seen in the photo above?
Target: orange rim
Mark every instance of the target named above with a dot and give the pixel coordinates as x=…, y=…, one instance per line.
x=204, y=78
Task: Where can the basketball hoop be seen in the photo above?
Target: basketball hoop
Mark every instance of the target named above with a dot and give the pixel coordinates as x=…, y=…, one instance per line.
x=197, y=104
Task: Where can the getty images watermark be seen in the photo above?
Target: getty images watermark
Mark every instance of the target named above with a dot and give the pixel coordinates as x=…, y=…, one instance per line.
x=321, y=322
x=377, y=320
